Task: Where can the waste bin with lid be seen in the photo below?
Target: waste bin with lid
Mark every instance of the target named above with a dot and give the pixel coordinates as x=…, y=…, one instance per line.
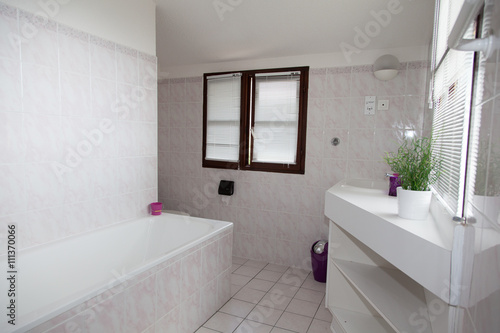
x=319, y=260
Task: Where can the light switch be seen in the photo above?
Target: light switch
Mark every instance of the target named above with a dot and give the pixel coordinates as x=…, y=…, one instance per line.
x=370, y=105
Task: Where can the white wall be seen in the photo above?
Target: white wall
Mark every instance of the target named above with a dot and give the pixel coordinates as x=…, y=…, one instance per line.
x=127, y=22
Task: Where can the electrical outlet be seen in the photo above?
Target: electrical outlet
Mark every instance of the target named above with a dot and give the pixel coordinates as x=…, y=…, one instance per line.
x=383, y=104
x=370, y=105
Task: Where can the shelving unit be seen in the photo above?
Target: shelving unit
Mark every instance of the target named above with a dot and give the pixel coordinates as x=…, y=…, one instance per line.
x=378, y=266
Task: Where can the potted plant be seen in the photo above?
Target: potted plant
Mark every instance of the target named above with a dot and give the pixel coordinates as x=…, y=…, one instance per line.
x=417, y=169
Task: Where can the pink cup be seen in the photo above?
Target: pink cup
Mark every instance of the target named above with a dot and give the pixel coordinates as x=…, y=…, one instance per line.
x=156, y=208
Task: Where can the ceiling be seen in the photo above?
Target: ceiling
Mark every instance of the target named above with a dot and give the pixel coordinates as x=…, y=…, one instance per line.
x=191, y=32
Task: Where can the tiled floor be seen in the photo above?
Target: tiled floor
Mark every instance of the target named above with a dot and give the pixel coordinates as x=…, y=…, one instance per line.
x=270, y=298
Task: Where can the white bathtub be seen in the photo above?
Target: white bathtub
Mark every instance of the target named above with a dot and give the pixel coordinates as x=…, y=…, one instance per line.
x=61, y=285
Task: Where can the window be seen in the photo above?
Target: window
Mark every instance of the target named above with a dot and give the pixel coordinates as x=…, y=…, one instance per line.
x=256, y=120
x=452, y=78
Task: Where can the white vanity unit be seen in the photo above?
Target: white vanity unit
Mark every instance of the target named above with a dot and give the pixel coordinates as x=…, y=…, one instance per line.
x=385, y=273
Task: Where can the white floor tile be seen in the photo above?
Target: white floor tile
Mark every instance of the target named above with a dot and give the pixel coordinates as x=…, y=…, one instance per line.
x=205, y=330
x=247, y=271
x=240, y=280
x=319, y=326
x=255, y=263
x=301, y=307
x=237, y=308
x=294, y=322
x=310, y=295
x=275, y=301
x=223, y=322
x=248, y=326
x=314, y=285
x=276, y=268
x=249, y=295
x=323, y=313
x=259, y=284
x=284, y=289
x=265, y=315
x=269, y=275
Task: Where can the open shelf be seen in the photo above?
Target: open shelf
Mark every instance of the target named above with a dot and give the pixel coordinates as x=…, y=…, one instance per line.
x=355, y=322
x=392, y=293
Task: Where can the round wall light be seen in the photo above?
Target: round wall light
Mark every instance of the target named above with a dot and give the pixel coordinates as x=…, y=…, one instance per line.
x=386, y=67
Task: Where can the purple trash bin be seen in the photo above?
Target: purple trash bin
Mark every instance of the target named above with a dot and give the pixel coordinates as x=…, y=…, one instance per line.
x=319, y=263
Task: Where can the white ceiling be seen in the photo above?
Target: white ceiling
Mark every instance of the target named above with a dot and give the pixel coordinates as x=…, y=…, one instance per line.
x=193, y=32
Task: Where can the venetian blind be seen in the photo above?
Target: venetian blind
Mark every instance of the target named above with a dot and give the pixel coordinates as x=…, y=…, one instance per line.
x=276, y=117
x=452, y=86
x=223, y=117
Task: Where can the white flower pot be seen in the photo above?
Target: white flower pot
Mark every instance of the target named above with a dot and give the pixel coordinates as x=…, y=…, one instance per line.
x=413, y=205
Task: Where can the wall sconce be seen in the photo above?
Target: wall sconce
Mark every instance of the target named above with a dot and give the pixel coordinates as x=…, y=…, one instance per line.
x=386, y=67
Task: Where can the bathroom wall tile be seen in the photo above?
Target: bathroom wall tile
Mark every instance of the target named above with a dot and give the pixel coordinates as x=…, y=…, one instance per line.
x=13, y=195
x=148, y=106
x=338, y=82
x=126, y=65
x=315, y=113
x=385, y=141
x=317, y=83
x=314, y=147
x=147, y=71
x=333, y=171
x=395, y=116
x=12, y=138
x=359, y=169
x=102, y=58
x=40, y=40
x=128, y=99
x=170, y=323
x=178, y=139
x=194, y=140
x=194, y=89
x=79, y=184
x=208, y=301
x=209, y=257
x=75, y=94
x=177, y=91
x=10, y=85
x=341, y=150
x=358, y=119
x=337, y=113
x=104, y=99
x=416, y=77
x=194, y=115
x=414, y=112
x=43, y=187
x=163, y=92
x=43, y=226
x=9, y=33
x=107, y=316
x=361, y=144
x=74, y=50
x=363, y=82
x=106, y=211
x=140, y=305
x=190, y=313
x=191, y=268
x=40, y=89
x=394, y=87
x=168, y=289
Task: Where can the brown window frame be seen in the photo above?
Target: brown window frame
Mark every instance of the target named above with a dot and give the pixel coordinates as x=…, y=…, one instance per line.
x=247, y=107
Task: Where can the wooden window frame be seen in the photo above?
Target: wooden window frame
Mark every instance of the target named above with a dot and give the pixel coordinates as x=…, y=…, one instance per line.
x=247, y=108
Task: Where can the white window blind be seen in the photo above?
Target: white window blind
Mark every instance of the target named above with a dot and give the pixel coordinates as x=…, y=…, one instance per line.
x=276, y=117
x=452, y=86
x=223, y=117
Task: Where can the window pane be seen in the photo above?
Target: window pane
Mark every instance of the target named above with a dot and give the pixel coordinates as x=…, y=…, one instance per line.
x=223, y=118
x=276, y=118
